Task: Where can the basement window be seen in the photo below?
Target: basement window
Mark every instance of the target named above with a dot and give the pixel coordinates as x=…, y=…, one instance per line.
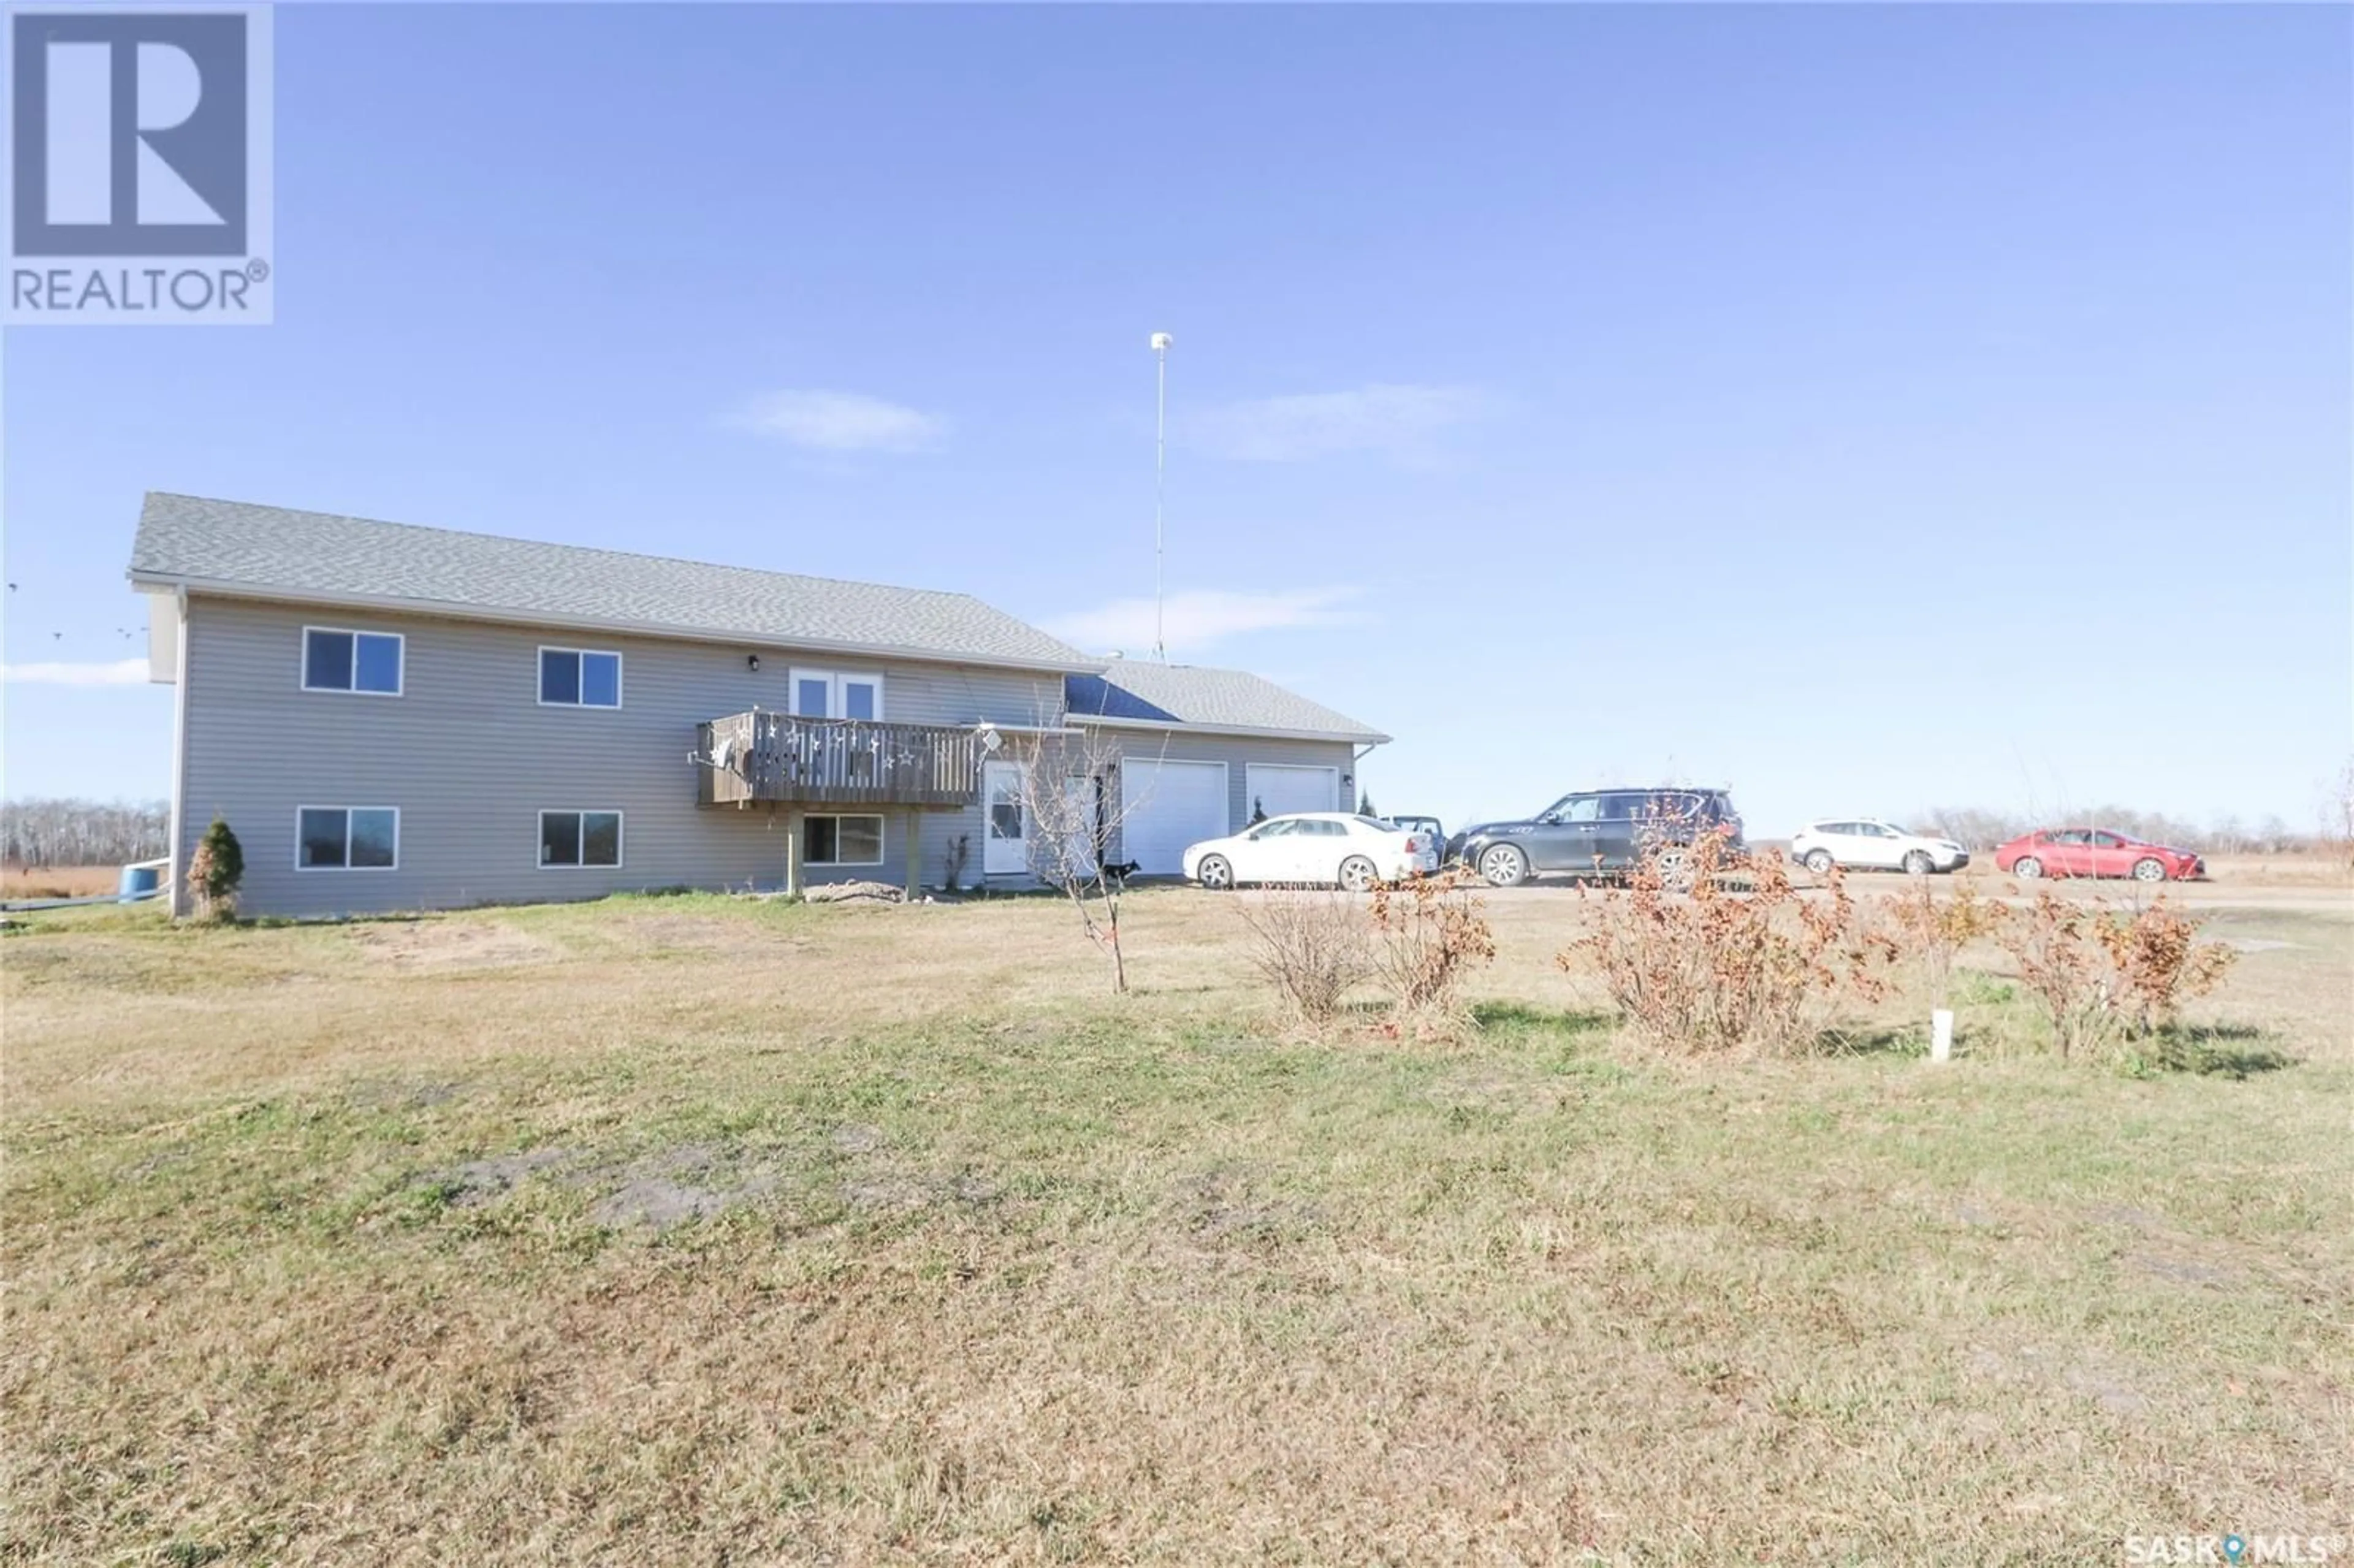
x=579, y=839
x=845, y=841
x=347, y=838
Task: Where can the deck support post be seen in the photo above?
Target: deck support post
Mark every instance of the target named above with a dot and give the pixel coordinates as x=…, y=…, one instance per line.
x=795, y=831
x=914, y=853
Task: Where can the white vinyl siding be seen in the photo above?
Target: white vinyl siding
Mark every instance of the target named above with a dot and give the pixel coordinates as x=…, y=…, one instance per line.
x=472, y=759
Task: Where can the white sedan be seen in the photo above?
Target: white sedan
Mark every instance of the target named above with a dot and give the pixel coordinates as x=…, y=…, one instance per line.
x=1318, y=848
x=1868, y=844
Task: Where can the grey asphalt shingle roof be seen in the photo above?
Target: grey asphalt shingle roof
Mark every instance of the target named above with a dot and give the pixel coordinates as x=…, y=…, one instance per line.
x=1214, y=699
x=231, y=545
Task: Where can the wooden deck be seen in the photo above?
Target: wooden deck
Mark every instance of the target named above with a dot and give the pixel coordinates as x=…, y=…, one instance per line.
x=762, y=756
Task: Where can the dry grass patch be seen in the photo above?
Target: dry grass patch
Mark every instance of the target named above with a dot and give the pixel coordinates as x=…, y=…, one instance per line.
x=58, y=881
x=865, y=1235
x=446, y=945
x=2310, y=870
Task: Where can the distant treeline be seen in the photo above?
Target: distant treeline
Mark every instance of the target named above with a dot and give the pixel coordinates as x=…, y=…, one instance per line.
x=1975, y=827
x=96, y=833
x=84, y=832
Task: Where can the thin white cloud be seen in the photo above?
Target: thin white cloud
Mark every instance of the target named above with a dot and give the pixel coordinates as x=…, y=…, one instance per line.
x=1397, y=419
x=120, y=673
x=840, y=422
x=1201, y=618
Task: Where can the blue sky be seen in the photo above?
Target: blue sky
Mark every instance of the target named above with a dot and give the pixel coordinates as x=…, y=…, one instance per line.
x=1866, y=407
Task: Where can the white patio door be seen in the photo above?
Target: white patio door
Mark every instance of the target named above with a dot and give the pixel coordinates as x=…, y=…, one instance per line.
x=829, y=694
x=1005, y=830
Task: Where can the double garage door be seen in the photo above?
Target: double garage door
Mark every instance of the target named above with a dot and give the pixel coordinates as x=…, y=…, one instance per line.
x=1166, y=805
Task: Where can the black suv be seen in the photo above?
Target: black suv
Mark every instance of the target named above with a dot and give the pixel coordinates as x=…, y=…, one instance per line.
x=1598, y=831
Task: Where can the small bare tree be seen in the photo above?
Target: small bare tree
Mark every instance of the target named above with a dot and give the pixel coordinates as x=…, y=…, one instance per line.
x=2338, y=817
x=1071, y=795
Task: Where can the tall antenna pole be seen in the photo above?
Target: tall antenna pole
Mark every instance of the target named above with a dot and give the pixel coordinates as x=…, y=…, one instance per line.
x=1160, y=342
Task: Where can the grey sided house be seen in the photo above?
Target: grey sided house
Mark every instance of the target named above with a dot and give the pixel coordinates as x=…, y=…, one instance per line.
x=398, y=717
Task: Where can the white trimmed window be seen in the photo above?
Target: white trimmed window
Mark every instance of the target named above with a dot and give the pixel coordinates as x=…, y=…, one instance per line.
x=843, y=840
x=347, y=838
x=579, y=678
x=834, y=694
x=569, y=839
x=335, y=658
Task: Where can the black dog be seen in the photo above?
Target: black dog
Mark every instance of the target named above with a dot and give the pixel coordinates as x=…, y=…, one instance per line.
x=1122, y=872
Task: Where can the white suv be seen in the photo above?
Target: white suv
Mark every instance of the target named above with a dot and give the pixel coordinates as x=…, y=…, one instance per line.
x=1867, y=844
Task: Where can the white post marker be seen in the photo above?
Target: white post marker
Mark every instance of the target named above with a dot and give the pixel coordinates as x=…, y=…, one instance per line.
x=1941, y=1034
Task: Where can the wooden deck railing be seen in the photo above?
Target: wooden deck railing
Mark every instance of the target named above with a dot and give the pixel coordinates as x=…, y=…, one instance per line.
x=763, y=755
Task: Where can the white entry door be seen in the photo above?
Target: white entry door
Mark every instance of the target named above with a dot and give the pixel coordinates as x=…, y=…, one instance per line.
x=1166, y=805
x=1279, y=789
x=1005, y=830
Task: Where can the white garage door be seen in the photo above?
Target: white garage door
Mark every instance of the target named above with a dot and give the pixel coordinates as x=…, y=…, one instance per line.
x=1165, y=806
x=1277, y=790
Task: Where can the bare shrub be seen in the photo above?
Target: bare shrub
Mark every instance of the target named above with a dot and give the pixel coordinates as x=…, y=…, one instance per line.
x=2060, y=961
x=1309, y=945
x=1933, y=930
x=2105, y=977
x=1724, y=969
x=2160, y=964
x=1428, y=933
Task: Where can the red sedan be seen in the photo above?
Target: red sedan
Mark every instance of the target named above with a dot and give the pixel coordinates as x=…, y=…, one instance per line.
x=2095, y=851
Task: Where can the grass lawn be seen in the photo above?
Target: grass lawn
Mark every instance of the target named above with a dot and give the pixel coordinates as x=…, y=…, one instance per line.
x=683, y=1230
